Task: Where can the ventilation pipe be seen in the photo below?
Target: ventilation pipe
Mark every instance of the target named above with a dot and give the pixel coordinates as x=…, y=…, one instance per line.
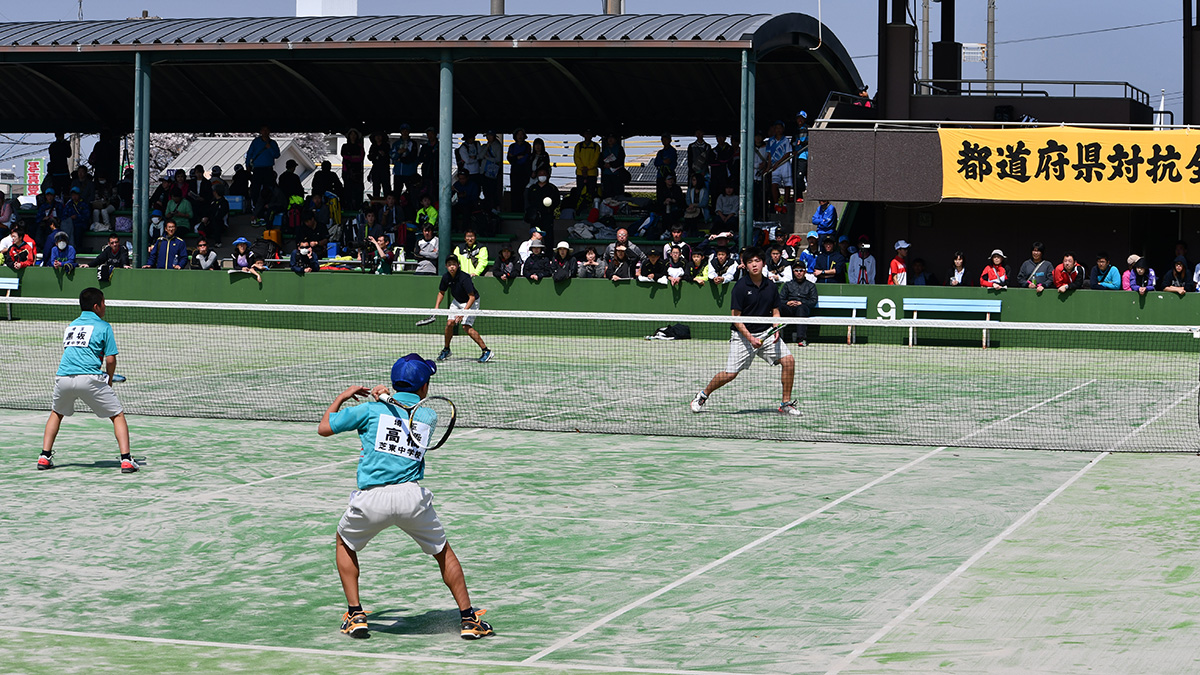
x=613, y=7
x=497, y=7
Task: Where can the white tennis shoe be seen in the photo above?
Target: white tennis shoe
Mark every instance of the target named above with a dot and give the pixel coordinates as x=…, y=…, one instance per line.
x=789, y=408
x=698, y=402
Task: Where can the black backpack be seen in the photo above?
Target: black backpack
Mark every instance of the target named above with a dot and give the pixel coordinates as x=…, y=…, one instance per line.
x=677, y=331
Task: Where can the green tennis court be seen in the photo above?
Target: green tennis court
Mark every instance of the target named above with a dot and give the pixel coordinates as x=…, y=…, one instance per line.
x=597, y=553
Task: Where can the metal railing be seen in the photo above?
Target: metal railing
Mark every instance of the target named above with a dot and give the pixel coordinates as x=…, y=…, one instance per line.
x=933, y=125
x=1027, y=88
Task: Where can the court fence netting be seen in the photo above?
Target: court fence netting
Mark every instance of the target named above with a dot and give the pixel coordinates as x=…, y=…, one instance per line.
x=1083, y=387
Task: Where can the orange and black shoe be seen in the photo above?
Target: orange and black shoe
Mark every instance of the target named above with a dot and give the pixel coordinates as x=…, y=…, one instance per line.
x=474, y=627
x=355, y=625
x=44, y=463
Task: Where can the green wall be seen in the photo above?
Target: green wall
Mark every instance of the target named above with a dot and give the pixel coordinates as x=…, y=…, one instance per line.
x=587, y=295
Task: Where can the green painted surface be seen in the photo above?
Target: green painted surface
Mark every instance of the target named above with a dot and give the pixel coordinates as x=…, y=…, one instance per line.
x=225, y=537
x=592, y=295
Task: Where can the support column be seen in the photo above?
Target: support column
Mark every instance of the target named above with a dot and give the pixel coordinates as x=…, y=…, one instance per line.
x=746, y=188
x=445, y=155
x=141, y=158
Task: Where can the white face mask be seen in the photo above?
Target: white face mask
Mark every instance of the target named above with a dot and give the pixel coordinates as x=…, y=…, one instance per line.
x=305, y=251
x=155, y=220
x=543, y=179
x=62, y=245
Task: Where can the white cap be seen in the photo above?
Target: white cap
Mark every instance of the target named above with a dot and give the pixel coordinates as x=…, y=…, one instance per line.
x=998, y=252
x=563, y=244
x=901, y=244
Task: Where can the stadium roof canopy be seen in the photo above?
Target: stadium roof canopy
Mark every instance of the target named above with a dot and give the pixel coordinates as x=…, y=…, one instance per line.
x=641, y=74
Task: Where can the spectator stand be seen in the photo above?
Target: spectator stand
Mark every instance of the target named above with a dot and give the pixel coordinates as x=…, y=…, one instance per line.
x=950, y=306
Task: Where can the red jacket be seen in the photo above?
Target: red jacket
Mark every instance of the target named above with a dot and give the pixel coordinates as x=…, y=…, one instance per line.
x=1072, y=278
x=993, y=275
x=27, y=246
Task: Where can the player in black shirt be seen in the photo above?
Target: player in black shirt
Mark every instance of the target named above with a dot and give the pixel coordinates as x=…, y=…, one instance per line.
x=462, y=296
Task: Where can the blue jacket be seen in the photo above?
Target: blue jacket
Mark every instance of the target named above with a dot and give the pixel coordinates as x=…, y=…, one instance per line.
x=1109, y=281
x=66, y=257
x=262, y=153
x=167, y=253
x=825, y=220
x=80, y=212
x=53, y=207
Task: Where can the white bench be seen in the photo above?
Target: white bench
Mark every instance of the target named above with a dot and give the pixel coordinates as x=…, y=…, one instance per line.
x=850, y=302
x=8, y=285
x=961, y=305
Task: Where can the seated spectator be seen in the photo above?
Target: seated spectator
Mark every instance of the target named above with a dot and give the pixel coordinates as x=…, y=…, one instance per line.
x=653, y=269
x=725, y=212
x=677, y=266
x=62, y=254
x=311, y=230
x=825, y=219
x=1036, y=273
x=200, y=193
x=798, y=297
x=325, y=180
x=103, y=205
x=1104, y=277
x=55, y=229
x=676, y=239
x=377, y=257
x=693, y=218
x=807, y=258
x=697, y=268
x=426, y=252
x=155, y=227
x=831, y=264
x=472, y=257
x=722, y=268
x=179, y=209
x=526, y=247
x=861, y=268
x=697, y=194
x=591, y=266
x=957, y=276
x=204, y=258
x=168, y=252
x=563, y=265
x=1128, y=273
x=114, y=255
x=426, y=215
x=216, y=221
x=306, y=258
x=76, y=215
x=244, y=260
x=537, y=266
x=18, y=248
x=1177, y=279
x=777, y=269
x=391, y=219
x=622, y=266
x=919, y=276
x=539, y=213
x=715, y=241
x=994, y=274
x=671, y=202
x=508, y=266
x=1069, y=275
x=465, y=193
x=631, y=249
x=1142, y=279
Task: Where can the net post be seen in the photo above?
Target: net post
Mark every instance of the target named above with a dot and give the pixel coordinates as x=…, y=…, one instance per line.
x=445, y=154
x=912, y=332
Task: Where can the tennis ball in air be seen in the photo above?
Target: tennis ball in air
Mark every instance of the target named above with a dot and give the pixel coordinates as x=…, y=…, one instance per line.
x=547, y=202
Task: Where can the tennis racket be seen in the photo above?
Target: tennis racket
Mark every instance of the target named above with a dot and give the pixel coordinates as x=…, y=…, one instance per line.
x=769, y=337
x=427, y=320
x=430, y=420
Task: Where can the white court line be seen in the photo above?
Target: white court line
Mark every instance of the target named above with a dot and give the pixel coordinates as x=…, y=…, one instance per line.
x=526, y=516
x=762, y=540
x=361, y=655
x=941, y=585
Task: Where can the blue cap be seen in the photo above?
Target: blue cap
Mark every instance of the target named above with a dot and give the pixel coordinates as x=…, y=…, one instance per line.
x=411, y=372
x=49, y=191
x=843, y=238
x=404, y=126
x=241, y=240
x=156, y=212
x=812, y=233
x=75, y=189
x=802, y=114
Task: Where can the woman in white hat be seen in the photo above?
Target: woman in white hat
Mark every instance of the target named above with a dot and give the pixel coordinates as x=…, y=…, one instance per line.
x=994, y=274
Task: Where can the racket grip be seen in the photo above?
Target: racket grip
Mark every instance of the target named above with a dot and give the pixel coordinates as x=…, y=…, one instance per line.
x=385, y=398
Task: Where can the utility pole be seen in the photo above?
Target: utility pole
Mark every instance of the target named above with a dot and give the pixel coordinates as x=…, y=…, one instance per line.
x=991, y=46
x=925, y=42
x=81, y=10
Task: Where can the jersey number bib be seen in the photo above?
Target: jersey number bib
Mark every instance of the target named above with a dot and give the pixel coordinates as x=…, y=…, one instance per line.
x=77, y=336
x=392, y=438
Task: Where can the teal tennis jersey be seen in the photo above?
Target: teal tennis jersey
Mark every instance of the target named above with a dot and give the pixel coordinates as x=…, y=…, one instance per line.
x=387, y=456
x=85, y=344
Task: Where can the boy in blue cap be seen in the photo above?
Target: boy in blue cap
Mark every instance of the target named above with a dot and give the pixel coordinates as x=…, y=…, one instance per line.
x=388, y=493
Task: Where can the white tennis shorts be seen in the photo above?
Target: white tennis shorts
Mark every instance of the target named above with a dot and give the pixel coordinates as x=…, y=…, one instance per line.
x=782, y=176
x=741, y=354
x=408, y=506
x=93, y=390
x=469, y=319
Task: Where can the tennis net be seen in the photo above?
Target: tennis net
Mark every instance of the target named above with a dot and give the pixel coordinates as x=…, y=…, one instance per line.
x=921, y=382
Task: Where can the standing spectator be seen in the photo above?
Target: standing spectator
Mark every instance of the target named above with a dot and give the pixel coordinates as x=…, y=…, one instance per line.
x=324, y=181
x=124, y=190
x=994, y=274
x=429, y=158
x=653, y=269
x=587, y=162
x=1036, y=272
x=1177, y=279
x=169, y=252
x=798, y=297
x=563, y=265
x=536, y=234
x=538, y=213
x=244, y=259
x=677, y=266
x=697, y=269
x=897, y=271
x=305, y=258
x=380, y=157
x=469, y=154
x=699, y=154
x=216, y=181
x=721, y=267
x=779, y=147
x=427, y=215
x=1127, y=275
x=725, y=218
x=49, y=213
x=199, y=193
x=179, y=210
x=520, y=160
x=1069, y=275
x=720, y=167
x=664, y=164
x=825, y=219
x=204, y=258
x=472, y=257
x=404, y=156
x=426, y=252
x=508, y=266
x=353, y=156
x=676, y=241
x=59, y=166
x=919, y=276
x=845, y=248
x=239, y=186
x=76, y=216
x=612, y=167
x=591, y=267
x=465, y=193
x=621, y=267
x=861, y=268
x=831, y=264
x=632, y=249
x=537, y=266
x=217, y=221
x=260, y=157
x=113, y=255
x=60, y=256
x=1142, y=279
x=540, y=160
x=83, y=181
x=1103, y=275
x=762, y=165
x=105, y=157
x=312, y=231
x=800, y=155
x=290, y=184
x=491, y=171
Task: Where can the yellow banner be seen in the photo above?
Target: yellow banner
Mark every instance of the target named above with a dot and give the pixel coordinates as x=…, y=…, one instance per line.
x=1071, y=164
